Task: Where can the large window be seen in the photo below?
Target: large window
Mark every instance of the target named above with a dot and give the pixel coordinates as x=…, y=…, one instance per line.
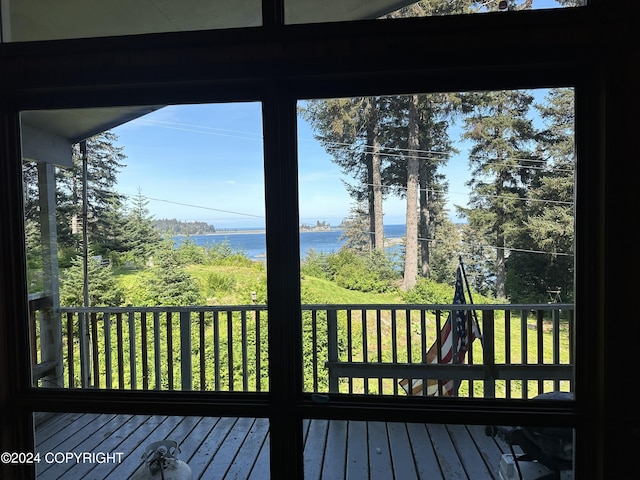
x=148, y=239
x=255, y=239
x=297, y=11
x=412, y=201
x=32, y=20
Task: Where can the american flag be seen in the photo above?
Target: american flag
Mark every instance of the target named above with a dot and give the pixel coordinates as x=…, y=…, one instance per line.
x=463, y=340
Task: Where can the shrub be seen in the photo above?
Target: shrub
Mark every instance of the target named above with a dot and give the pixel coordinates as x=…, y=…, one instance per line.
x=219, y=282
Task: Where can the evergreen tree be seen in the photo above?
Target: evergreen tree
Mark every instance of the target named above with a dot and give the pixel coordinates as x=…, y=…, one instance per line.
x=355, y=230
x=171, y=285
x=104, y=161
x=103, y=289
x=502, y=166
x=349, y=129
x=140, y=239
x=417, y=131
x=549, y=226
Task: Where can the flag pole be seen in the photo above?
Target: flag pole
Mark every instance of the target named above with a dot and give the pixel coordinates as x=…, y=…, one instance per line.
x=473, y=312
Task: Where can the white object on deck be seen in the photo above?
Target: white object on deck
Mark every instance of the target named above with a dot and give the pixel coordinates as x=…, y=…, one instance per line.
x=161, y=463
x=530, y=470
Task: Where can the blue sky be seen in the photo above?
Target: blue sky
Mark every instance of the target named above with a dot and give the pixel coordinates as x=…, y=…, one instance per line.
x=205, y=163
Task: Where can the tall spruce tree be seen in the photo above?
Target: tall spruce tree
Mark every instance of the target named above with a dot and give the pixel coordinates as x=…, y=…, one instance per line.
x=104, y=161
x=418, y=134
x=349, y=130
x=502, y=165
x=549, y=225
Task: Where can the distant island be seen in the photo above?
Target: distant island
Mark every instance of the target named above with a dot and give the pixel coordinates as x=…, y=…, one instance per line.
x=175, y=227
x=178, y=227
x=318, y=227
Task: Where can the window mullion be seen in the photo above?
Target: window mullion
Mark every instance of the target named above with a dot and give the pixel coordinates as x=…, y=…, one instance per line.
x=283, y=284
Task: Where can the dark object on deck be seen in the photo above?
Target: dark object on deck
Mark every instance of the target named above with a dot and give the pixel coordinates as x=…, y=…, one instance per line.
x=552, y=447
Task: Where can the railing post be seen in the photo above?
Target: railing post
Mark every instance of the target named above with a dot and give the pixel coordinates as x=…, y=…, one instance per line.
x=51, y=323
x=185, y=350
x=332, y=347
x=488, y=353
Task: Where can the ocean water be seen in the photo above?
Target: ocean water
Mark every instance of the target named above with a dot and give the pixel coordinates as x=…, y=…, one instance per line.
x=253, y=243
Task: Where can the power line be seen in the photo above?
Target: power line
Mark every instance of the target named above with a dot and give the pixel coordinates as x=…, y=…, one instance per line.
x=192, y=205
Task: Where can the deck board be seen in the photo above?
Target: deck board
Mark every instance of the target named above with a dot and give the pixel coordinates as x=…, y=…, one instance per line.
x=238, y=448
x=378, y=448
x=314, y=448
x=335, y=456
x=402, y=457
x=424, y=455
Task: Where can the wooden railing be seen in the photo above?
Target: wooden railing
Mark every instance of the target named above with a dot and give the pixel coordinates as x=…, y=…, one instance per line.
x=524, y=350
x=44, y=360
x=167, y=348
x=358, y=349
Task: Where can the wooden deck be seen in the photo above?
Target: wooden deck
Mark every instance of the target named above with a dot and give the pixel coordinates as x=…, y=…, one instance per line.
x=238, y=448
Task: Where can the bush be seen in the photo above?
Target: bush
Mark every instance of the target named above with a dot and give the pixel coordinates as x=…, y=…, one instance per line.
x=222, y=254
x=316, y=265
x=364, y=272
x=218, y=283
x=428, y=291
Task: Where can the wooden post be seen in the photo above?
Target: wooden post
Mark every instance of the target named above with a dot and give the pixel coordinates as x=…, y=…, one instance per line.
x=332, y=333
x=488, y=353
x=50, y=323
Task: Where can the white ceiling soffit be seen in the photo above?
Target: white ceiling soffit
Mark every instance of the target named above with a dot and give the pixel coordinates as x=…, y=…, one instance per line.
x=47, y=135
x=30, y=20
x=75, y=125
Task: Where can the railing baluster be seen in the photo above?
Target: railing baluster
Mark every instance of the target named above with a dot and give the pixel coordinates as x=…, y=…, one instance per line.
x=314, y=348
x=469, y=328
x=185, y=350
x=349, y=346
x=394, y=347
x=94, y=345
x=203, y=372
x=332, y=347
x=145, y=353
x=407, y=314
x=407, y=320
x=106, y=320
x=423, y=346
x=256, y=314
x=438, y=341
x=556, y=343
x=70, y=354
x=157, y=359
x=243, y=334
x=379, y=344
x=540, y=345
x=230, y=349
x=132, y=351
x=216, y=350
x=524, y=354
x=119, y=335
x=171, y=385
x=365, y=347
x=507, y=348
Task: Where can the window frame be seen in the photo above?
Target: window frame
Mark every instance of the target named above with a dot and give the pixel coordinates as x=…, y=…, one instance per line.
x=299, y=62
